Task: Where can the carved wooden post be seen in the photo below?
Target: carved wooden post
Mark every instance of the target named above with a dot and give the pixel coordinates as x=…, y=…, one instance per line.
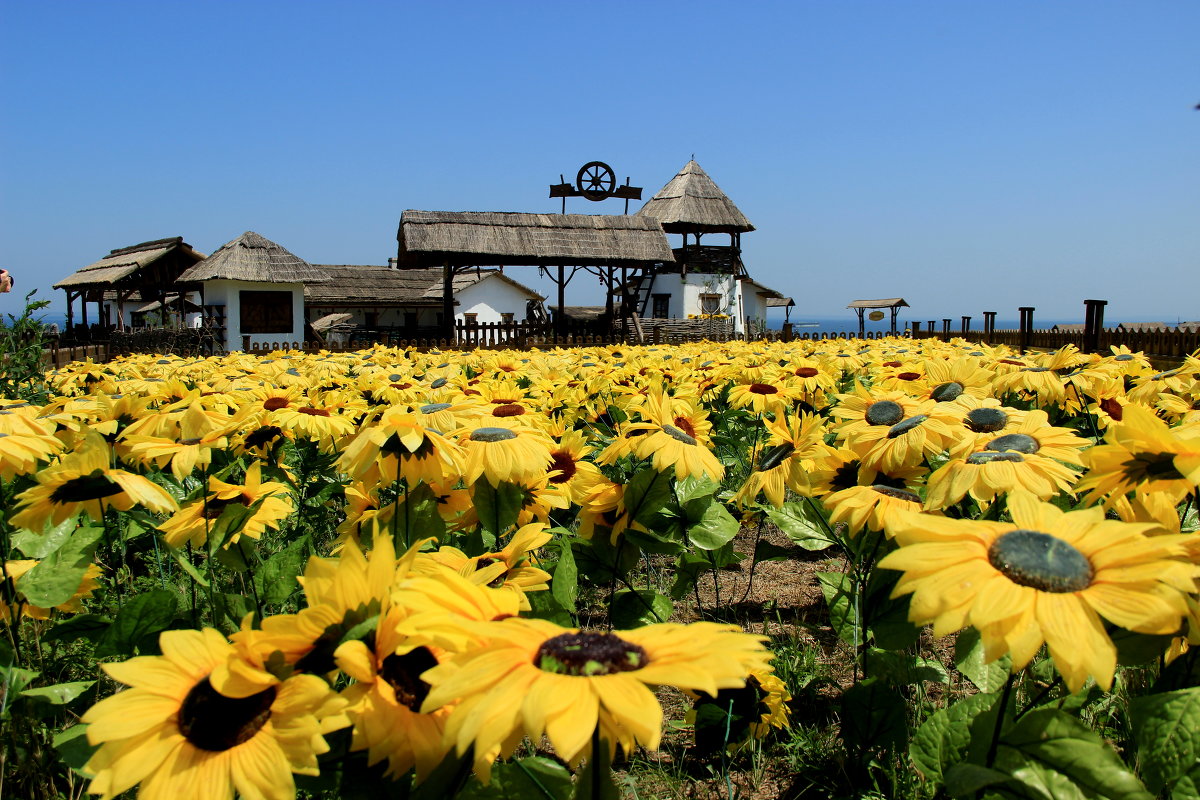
x=1026, y=326
x=946, y=329
x=1093, y=324
x=966, y=325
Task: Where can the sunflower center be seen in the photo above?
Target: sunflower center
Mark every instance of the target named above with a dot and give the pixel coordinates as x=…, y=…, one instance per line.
x=677, y=435
x=211, y=721
x=807, y=372
x=403, y=674
x=908, y=376
x=275, y=403
x=1152, y=466
x=1040, y=561
x=946, y=391
x=314, y=412
x=762, y=388
x=564, y=464
x=433, y=408
x=1021, y=442
x=986, y=420
x=884, y=412
x=1123, y=357
x=773, y=457
x=261, y=436
x=901, y=428
x=586, y=653
x=684, y=424
x=84, y=488
x=492, y=435
x=508, y=410
x=896, y=494
x=1112, y=407
x=990, y=457
x=213, y=508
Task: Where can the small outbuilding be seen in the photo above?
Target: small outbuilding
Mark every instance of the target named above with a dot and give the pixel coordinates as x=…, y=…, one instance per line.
x=894, y=304
x=253, y=292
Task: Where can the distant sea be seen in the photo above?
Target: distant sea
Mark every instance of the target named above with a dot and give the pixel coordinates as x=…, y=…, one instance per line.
x=849, y=322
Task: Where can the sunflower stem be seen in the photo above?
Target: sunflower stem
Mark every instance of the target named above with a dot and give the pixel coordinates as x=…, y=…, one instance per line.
x=995, y=745
x=1083, y=408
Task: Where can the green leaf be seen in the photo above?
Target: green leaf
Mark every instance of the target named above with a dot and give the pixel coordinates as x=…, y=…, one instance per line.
x=56, y=578
x=968, y=658
x=902, y=669
x=232, y=607
x=564, y=584
x=874, y=717
x=497, y=506
x=533, y=778
x=181, y=558
x=1166, y=728
x=80, y=626
x=544, y=605
x=889, y=625
x=40, y=545
x=1063, y=759
x=800, y=524
x=418, y=517
x=597, y=558
x=646, y=494
x=60, y=693
x=968, y=780
x=73, y=748
x=942, y=739
x=143, y=615
x=838, y=589
x=632, y=609
x=232, y=519
x=716, y=528
x=692, y=488
x=276, y=577
x=688, y=569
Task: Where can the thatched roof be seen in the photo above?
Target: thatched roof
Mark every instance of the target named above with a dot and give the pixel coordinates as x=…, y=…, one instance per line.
x=692, y=203
x=254, y=258
x=487, y=239
x=123, y=264
x=887, y=302
x=369, y=285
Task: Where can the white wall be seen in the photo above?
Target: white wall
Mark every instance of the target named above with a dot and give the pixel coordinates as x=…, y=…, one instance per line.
x=226, y=293
x=489, y=298
x=685, y=293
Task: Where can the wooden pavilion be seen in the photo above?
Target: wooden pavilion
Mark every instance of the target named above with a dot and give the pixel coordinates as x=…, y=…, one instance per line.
x=141, y=273
x=893, y=303
x=560, y=244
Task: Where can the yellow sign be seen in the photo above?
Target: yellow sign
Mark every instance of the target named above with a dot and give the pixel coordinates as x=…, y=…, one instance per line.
x=875, y=316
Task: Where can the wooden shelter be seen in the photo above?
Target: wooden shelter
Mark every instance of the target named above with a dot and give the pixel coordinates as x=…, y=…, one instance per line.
x=893, y=303
x=457, y=240
x=142, y=273
x=253, y=291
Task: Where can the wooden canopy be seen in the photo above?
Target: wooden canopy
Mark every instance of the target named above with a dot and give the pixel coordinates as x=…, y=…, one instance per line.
x=894, y=303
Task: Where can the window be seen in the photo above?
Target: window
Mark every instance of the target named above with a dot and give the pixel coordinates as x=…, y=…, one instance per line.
x=710, y=304
x=410, y=319
x=266, y=312
x=470, y=318
x=369, y=318
x=506, y=317
x=660, y=307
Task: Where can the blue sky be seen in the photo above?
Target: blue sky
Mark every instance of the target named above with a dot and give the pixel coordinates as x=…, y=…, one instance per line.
x=968, y=156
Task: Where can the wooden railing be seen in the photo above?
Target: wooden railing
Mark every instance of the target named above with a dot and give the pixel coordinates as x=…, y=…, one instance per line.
x=1167, y=342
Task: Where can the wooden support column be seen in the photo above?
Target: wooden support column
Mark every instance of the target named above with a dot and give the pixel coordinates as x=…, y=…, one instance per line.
x=966, y=325
x=448, y=332
x=1093, y=324
x=560, y=318
x=1026, y=326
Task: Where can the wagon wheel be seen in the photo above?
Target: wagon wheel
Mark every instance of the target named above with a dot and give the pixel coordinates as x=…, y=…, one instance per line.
x=596, y=180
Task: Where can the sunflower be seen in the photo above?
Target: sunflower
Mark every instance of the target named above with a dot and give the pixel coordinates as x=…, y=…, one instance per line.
x=906, y=444
x=1142, y=453
x=399, y=445
x=762, y=703
x=670, y=448
x=863, y=409
x=988, y=473
x=179, y=737
x=532, y=677
x=869, y=507
x=504, y=454
x=1048, y=577
x=196, y=434
x=384, y=702
x=511, y=569
x=21, y=453
x=271, y=502
x=792, y=451
x=84, y=481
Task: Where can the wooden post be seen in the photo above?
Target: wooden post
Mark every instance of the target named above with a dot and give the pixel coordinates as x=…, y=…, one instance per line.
x=966, y=325
x=787, y=331
x=946, y=328
x=560, y=319
x=932, y=327
x=447, y=302
x=1093, y=324
x=1026, y=326
x=916, y=329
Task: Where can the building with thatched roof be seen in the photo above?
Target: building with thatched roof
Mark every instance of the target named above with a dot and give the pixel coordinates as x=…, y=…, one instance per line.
x=385, y=298
x=703, y=280
x=253, y=291
x=132, y=276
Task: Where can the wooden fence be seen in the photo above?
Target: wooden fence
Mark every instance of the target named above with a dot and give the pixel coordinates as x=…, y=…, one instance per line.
x=1165, y=342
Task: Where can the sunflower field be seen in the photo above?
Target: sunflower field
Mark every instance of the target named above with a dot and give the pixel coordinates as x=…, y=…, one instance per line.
x=497, y=574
